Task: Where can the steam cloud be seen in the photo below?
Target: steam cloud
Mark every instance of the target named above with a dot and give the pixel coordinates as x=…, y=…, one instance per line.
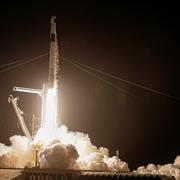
x=19, y=154
x=61, y=149
x=171, y=169
x=64, y=149
x=58, y=155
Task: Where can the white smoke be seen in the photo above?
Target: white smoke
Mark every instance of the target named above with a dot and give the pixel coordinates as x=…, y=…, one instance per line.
x=64, y=149
x=171, y=169
x=177, y=162
x=60, y=148
x=19, y=154
x=58, y=155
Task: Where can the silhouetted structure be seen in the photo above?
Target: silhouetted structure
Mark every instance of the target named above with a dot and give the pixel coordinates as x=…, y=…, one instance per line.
x=52, y=174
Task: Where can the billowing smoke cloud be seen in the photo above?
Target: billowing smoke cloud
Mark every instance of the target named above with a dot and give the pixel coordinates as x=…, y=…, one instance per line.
x=171, y=169
x=64, y=149
x=58, y=155
x=19, y=154
x=60, y=148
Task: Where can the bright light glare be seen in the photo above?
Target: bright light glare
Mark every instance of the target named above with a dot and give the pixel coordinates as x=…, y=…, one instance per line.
x=50, y=113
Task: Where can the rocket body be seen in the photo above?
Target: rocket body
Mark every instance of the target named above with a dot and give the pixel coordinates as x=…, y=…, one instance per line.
x=53, y=56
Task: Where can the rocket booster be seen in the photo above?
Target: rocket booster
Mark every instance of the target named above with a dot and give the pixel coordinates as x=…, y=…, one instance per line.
x=53, y=56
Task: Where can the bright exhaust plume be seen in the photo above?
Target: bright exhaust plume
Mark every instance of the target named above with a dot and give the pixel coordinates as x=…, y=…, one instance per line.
x=50, y=113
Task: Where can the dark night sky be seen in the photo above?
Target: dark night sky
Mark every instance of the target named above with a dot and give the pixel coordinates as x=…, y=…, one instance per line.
x=137, y=42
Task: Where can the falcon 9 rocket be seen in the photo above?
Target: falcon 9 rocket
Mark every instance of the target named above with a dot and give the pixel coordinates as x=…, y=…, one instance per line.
x=49, y=113
x=53, y=56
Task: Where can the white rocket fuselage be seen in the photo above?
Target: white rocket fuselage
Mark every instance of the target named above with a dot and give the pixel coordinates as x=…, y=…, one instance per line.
x=53, y=56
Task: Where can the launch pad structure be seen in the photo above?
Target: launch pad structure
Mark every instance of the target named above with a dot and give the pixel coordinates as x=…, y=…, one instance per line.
x=58, y=174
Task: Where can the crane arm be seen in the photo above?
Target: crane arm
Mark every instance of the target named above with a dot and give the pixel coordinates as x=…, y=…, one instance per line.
x=19, y=113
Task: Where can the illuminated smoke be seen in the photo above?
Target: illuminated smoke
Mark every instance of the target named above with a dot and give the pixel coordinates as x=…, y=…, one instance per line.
x=58, y=155
x=64, y=149
x=88, y=156
x=19, y=154
x=60, y=149
x=171, y=169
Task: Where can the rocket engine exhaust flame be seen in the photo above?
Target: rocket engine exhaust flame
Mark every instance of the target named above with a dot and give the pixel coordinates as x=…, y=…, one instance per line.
x=50, y=113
